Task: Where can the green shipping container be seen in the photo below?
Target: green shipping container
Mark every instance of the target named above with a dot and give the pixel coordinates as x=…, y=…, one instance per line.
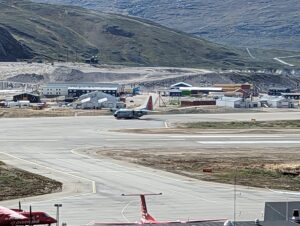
x=185, y=92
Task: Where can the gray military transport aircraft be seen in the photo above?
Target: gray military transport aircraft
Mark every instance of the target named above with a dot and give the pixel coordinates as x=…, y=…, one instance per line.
x=135, y=113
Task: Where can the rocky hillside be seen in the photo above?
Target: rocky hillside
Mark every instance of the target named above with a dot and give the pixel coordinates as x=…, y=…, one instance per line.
x=259, y=23
x=11, y=49
x=68, y=33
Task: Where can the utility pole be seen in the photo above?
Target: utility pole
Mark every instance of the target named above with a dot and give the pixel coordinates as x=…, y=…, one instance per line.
x=57, y=213
x=234, y=198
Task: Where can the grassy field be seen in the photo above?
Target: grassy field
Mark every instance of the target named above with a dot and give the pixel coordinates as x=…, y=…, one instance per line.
x=284, y=124
x=266, y=168
x=15, y=183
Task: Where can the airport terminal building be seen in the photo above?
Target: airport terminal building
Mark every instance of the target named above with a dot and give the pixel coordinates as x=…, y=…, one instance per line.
x=75, y=90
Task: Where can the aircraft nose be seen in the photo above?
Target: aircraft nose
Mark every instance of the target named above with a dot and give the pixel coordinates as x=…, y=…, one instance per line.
x=54, y=220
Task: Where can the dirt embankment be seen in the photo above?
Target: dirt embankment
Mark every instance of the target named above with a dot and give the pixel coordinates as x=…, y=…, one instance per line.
x=15, y=183
x=272, y=168
x=29, y=113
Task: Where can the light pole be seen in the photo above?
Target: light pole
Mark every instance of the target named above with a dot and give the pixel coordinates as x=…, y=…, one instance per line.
x=57, y=213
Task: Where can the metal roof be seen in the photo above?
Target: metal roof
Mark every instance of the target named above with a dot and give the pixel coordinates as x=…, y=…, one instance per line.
x=290, y=94
x=202, y=88
x=93, y=88
x=181, y=83
x=279, y=210
x=83, y=84
x=230, y=99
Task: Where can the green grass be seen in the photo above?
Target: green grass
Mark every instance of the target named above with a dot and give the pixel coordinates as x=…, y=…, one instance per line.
x=286, y=124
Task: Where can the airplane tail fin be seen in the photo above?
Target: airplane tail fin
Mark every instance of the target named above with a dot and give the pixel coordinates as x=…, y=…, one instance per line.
x=146, y=217
x=149, y=105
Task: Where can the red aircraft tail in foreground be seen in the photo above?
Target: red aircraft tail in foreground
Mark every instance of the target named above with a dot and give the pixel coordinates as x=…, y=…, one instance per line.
x=147, y=218
x=11, y=217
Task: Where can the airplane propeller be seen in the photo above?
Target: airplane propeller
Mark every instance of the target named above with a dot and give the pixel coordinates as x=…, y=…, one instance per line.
x=30, y=216
x=20, y=207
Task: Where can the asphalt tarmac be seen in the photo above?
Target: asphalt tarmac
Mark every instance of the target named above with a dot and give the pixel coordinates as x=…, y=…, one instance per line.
x=93, y=187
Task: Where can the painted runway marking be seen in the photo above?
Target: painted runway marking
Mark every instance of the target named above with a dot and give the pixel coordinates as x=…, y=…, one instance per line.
x=49, y=168
x=129, y=169
x=143, y=139
x=251, y=142
x=152, y=174
x=285, y=192
x=125, y=207
x=226, y=136
x=166, y=124
x=26, y=140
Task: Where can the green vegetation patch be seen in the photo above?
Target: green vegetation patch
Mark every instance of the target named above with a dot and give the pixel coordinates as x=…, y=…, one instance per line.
x=15, y=183
x=284, y=124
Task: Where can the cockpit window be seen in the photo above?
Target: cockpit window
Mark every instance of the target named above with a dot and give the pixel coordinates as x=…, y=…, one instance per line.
x=45, y=215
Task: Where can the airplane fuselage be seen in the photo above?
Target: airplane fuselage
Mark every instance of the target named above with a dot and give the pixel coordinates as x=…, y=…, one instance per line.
x=129, y=114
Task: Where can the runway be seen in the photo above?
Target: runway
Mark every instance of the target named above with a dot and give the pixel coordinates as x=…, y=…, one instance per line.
x=93, y=187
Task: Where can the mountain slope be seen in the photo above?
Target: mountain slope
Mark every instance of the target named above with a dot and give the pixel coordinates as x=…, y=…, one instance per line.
x=259, y=23
x=67, y=33
x=11, y=49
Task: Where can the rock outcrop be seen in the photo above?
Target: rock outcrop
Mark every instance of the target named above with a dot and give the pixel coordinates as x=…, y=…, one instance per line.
x=11, y=49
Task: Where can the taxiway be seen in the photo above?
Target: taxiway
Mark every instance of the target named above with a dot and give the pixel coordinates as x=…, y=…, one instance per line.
x=93, y=187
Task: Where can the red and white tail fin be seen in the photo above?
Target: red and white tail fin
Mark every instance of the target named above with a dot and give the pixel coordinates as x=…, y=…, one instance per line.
x=146, y=217
x=149, y=105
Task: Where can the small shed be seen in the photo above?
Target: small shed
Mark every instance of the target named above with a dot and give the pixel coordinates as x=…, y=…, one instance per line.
x=280, y=103
x=32, y=98
x=232, y=102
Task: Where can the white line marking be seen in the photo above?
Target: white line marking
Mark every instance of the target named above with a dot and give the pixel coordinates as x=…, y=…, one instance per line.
x=251, y=142
x=49, y=168
x=143, y=139
x=26, y=140
x=225, y=136
x=166, y=125
x=94, y=187
x=153, y=174
x=107, y=171
x=288, y=57
x=250, y=53
x=125, y=207
x=59, y=198
x=284, y=192
x=283, y=62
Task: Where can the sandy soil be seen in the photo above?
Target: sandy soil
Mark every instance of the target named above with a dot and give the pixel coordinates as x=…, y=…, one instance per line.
x=127, y=74
x=15, y=183
x=29, y=113
x=267, y=167
x=276, y=168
